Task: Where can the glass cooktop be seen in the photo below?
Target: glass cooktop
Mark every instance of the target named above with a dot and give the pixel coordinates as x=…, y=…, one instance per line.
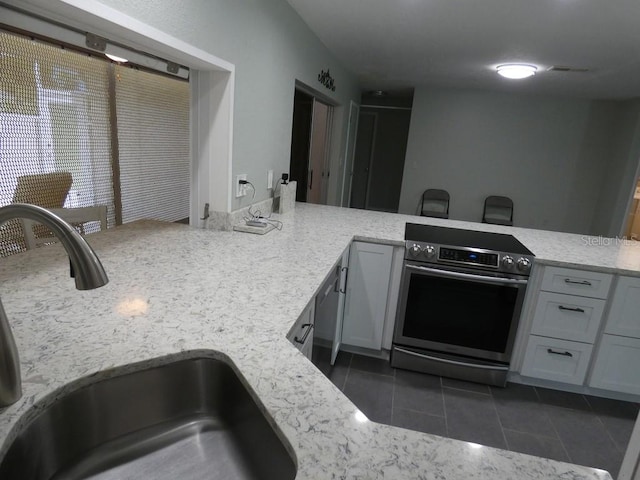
x=458, y=237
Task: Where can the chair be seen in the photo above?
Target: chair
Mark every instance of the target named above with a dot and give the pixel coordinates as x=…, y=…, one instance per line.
x=498, y=210
x=48, y=190
x=435, y=203
x=75, y=216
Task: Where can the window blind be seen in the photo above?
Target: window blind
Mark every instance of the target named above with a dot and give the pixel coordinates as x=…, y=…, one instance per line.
x=56, y=121
x=53, y=119
x=153, y=138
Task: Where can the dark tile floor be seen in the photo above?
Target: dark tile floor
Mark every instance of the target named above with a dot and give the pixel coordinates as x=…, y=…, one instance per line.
x=548, y=423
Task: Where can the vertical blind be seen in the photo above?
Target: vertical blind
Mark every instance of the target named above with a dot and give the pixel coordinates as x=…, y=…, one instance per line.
x=153, y=139
x=55, y=120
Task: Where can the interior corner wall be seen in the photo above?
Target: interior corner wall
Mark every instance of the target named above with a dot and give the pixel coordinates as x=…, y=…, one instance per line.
x=619, y=180
x=547, y=153
x=271, y=47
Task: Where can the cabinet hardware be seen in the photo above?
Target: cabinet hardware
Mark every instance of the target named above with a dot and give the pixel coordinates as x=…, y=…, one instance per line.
x=578, y=282
x=338, y=279
x=346, y=275
x=571, y=309
x=564, y=354
x=306, y=334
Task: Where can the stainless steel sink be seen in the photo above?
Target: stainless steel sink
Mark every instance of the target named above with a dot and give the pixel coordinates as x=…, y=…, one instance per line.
x=189, y=420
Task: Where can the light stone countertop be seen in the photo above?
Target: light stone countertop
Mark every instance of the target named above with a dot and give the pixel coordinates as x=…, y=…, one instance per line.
x=177, y=292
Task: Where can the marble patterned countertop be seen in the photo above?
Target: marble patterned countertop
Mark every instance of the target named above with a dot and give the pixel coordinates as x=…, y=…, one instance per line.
x=177, y=291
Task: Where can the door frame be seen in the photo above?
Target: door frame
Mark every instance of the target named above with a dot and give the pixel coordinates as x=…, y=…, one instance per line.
x=350, y=143
x=629, y=205
x=332, y=105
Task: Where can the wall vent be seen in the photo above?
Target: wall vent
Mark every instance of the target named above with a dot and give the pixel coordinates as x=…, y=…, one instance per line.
x=564, y=68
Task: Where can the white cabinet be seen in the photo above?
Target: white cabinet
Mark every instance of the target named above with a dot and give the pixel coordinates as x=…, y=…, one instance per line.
x=566, y=321
x=567, y=316
x=617, y=364
x=624, y=316
x=557, y=360
x=576, y=282
x=367, y=294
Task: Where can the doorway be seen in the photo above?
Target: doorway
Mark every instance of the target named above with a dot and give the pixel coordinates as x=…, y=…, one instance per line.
x=310, y=146
x=632, y=231
x=381, y=144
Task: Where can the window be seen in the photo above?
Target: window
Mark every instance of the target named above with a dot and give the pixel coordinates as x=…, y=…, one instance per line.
x=122, y=134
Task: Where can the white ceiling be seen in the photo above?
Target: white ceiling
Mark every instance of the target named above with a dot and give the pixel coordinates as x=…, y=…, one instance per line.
x=396, y=44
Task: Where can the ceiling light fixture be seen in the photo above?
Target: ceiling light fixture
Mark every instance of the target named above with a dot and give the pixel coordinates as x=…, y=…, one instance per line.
x=516, y=71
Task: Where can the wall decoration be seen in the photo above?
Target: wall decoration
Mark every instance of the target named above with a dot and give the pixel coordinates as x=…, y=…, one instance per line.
x=327, y=80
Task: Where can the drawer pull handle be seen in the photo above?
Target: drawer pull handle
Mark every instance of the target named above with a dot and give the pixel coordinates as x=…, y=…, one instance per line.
x=571, y=309
x=306, y=334
x=578, y=282
x=564, y=354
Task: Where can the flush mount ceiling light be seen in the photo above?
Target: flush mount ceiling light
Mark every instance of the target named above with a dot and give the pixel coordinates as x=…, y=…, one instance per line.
x=516, y=71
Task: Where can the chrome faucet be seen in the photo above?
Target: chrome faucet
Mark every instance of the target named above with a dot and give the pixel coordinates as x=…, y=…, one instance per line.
x=89, y=274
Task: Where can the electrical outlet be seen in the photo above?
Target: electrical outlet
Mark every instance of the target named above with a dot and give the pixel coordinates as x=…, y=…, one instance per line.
x=270, y=179
x=241, y=190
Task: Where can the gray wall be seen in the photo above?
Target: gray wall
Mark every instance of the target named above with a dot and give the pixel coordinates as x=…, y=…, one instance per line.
x=270, y=47
x=548, y=154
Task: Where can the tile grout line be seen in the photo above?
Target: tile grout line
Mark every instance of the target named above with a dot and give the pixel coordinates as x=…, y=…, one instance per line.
x=444, y=410
x=495, y=408
x=393, y=396
x=555, y=429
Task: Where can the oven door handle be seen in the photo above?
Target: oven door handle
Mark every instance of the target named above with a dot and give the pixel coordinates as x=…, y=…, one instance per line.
x=467, y=276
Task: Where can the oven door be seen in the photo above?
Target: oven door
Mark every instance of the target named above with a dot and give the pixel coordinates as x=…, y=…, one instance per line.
x=459, y=312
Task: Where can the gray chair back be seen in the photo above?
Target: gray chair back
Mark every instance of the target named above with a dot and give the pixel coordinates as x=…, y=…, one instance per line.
x=435, y=203
x=498, y=210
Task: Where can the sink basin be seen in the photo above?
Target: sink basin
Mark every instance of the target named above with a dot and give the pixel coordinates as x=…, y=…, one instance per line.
x=189, y=420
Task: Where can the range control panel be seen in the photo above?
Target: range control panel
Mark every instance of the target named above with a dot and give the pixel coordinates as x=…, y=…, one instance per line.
x=468, y=257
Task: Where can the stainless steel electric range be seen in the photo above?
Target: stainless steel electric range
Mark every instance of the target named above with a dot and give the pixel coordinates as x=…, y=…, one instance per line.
x=460, y=302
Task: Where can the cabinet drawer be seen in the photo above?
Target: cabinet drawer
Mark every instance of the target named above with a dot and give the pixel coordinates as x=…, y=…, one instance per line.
x=576, y=282
x=558, y=360
x=568, y=317
x=616, y=365
x=624, y=317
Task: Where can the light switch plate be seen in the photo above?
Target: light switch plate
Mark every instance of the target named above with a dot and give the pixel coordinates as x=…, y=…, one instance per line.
x=270, y=179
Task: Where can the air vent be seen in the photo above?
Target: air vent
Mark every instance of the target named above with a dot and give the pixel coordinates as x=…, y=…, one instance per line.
x=563, y=68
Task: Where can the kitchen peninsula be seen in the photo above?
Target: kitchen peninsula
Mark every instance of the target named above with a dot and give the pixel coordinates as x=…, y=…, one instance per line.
x=178, y=292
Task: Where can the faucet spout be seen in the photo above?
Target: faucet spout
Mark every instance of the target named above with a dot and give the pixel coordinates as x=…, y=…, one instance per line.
x=89, y=274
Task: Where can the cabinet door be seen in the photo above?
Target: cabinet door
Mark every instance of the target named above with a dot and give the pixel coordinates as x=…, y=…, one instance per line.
x=367, y=292
x=624, y=316
x=342, y=289
x=567, y=316
x=616, y=365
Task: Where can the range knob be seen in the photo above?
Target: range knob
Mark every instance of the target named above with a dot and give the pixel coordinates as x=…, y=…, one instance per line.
x=429, y=251
x=414, y=250
x=508, y=262
x=524, y=264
